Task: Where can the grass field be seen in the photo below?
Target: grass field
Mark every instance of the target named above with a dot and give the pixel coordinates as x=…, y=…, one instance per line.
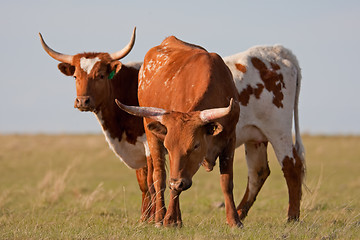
x=73, y=187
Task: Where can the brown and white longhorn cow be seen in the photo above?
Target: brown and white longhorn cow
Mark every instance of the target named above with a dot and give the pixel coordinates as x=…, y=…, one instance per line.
x=100, y=79
x=183, y=94
x=267, y=79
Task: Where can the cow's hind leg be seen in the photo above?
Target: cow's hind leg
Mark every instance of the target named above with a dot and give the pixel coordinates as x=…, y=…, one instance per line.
x=258, y=171
x=156, y=165
x=152, y=206
x=145, y=176
x=293, y=169
x=141, y=175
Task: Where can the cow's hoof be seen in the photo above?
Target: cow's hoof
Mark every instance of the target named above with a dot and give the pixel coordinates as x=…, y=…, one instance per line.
x=236, y=224
x=172, y=222
x=179, y=224
x=158, y=224
x=239, y=225
x=293, y=219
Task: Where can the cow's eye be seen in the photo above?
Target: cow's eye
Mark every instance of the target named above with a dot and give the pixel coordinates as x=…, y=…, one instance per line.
x=196, y=146
x=74, y=77
x=101, y=76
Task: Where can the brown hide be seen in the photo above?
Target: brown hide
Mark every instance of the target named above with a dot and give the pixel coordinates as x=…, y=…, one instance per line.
x=185, y=79
x=123, y=86
x=188, y=78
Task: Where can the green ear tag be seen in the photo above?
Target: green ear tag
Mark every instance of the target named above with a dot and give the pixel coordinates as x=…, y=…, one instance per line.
x=111, y=75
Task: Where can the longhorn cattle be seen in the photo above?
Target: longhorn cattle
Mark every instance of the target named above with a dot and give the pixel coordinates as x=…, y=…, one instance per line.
x=183, y=94
x=268, y=79
x=99, y=79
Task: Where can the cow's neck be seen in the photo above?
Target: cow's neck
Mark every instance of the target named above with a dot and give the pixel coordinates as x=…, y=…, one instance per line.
x=116, y=123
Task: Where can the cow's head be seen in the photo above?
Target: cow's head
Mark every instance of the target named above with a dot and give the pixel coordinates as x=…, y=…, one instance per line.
x=186, y=137
x=92, y=72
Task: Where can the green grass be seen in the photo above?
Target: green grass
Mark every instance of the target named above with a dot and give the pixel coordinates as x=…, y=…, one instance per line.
x=73, y=187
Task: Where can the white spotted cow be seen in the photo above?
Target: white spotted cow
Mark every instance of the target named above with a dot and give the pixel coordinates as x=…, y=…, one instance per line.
x=267, y=79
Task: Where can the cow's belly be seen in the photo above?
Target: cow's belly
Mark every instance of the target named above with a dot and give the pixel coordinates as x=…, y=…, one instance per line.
x=132, y=155
x=261, y=119
x=249, y=133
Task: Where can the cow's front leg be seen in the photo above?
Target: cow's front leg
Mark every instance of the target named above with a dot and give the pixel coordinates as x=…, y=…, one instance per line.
x=173, y=214
x=258, y=171
x=226, y=180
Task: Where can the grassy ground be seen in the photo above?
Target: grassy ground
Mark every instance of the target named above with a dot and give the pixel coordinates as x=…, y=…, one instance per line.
x=73, y=187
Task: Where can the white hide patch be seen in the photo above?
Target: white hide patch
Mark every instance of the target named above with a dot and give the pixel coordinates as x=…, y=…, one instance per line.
x=87, y=64
x=132, y=155
x=260, y=120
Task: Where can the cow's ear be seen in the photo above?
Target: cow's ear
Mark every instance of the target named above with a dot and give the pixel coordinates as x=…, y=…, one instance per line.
x=213, y=128
x=157, y=129
x=66, y=69
x=115, y=66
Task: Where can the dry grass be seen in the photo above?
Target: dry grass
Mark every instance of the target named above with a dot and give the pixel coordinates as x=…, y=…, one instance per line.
x=53, y=186
x=72, y=186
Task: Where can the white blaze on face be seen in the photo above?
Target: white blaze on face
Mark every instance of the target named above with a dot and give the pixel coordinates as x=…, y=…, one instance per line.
x=87, y=64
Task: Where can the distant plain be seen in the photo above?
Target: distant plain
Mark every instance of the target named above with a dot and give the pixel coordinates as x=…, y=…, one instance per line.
x=73, y=187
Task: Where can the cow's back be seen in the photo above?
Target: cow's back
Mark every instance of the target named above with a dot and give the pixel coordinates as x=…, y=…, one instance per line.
x=179, y=76
x=244, y=67
x=266, y=78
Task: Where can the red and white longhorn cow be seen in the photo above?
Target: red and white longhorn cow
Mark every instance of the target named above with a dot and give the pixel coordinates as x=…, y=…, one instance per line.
x=183, y=94
x=100, y=79
x=267, y=79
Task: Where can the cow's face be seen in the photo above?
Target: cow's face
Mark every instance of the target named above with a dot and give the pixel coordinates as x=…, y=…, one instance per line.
x=186, y=138
x=93, y=74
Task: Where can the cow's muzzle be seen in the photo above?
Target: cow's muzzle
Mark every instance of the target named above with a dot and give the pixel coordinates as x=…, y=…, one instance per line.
x=180, y=184
x=84, y=103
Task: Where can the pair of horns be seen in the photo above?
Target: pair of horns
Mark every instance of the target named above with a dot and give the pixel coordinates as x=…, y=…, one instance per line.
x=68, y=58
x=207, y=115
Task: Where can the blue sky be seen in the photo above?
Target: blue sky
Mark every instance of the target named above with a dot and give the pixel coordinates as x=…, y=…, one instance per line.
x=36, y=98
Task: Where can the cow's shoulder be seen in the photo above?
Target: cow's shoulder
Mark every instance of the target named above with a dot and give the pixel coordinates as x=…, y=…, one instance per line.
x=174, y=43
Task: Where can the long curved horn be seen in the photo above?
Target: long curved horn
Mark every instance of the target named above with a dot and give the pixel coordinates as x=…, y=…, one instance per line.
x=56, y=55
x=149, y=112
x=215, y=113
x=125, y=51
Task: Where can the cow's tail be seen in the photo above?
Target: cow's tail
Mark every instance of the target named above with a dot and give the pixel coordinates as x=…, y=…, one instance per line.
x=299, y=147
x=298, y=142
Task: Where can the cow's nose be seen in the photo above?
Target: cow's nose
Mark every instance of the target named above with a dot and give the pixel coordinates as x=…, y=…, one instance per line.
x=180, y=184
x=83, y=102
x=176, y=185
